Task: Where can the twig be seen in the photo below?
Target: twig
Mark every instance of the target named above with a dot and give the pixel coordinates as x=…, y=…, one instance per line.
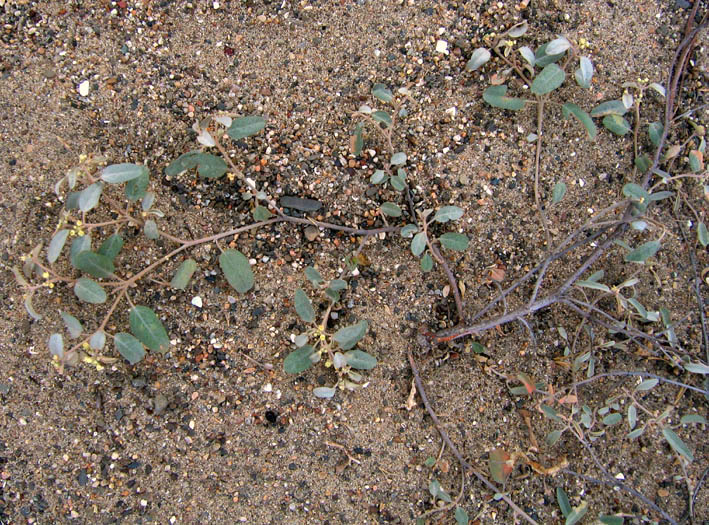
x=343, y=449
x=451, y=280
x=454, y=449
x=623, y=373
x=537, y=199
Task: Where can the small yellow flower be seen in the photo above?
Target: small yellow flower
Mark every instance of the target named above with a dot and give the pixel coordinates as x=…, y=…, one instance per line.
x=45, y=275
x=81, y=233
x=85, y=345
x=231, y=176
x=79, y=223
x=82, y=157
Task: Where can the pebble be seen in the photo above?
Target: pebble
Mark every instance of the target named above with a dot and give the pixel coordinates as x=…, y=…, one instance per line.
x=159, y=404
x=84, y=88
x=197, y=301
x=311, y=233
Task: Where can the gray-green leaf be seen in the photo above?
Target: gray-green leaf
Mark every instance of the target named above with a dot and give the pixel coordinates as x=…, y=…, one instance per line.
x=261, y=213
x=391, y=209
x=558, y=192
x=325, y=392
x=563, y=500
x=495, y=96
x=418, y=243
x=313, y=275
x=543, y=59
x=378, y=177
x=702, y=234
x=56, y=245
x=611, y=107
x=150, y=228
x=89, y=291
x=56, y=345
x=349, y=336
x=454, y=241
x=584, y=73
x=299, y=360
x=611, y=520
x=98, y=340
x=183, y=274
x=584, y=118
x=382, y=116
x=461, y=517
x=616, y=124
x=550, y=78
x=398, y=158
x=408, y=231
x=208, y=165
x=643, y=252
x=94, y=264
x=654, y=131
x=437, y=491
x=677, y=444
x=89, y=196
x=448, y=213
x=360, y=360
x=119, y=173
x=146, y=326
x=382, y=92
x=111, y=246
x=477, y=59
x=243, y=127
x=237, y=270
x=135, y=188
x=73, y=325
x=426, y=263
x=129, y=347
x=303, y=306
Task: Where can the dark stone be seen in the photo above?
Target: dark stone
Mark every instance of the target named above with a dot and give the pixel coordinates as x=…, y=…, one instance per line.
x=297, y=203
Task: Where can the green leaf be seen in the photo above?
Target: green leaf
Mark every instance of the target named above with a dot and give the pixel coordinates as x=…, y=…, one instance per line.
x=577, y=513
x=150, y=229
x=56, y=245
x=111, y=246
x=677, y=444
x=689, y=419
x=612, y=419
x=495, y=96
x=584, y=118
x=382, y=116
x=397, y=159
x=129, y=347
x=636, y=433
x=146, y=326
x=398, y=182
x=696, y=160
x=313, y=275
x=303, y=306
x=325, y=392
x=208, y=165
x=610, y=520
x=557, y=46
x=437, y=491
x=360, y=360
x=654, y=131
x=448, y=213
x=136, y=188
x=553, y=437
x=391, y=209
x=643, y=163
x=461, y=517
x=243, y=127
x=349, y=336
x=299, y=360
x=632, y=416
x=643, y=252
x=616, y=124
x=584, y=73
x=183, y=274
x=56, y=345
x=498, y=465
x=337, y=285
x=558, y=192
x=98, y=340
x=636, y=193
x=382, y=92
x=648, y=384
x=119, y=173
x=426, y=263
x=89, y=196
x=541, y=58
x=358, y=140
x=89, y=291
x=477, y=59
x=550, y=78
x=611, y=107
x=30, y=308
x=430, y=461
x=454, y=241
x=550, y=412
x=72, y=200
x=563, y=500
x=261, y=213
x=697, y=368
x=237, y=270
x=94, y=264
x=73, y=325
x=408, y=231
x=378, y=177
x=418, y=243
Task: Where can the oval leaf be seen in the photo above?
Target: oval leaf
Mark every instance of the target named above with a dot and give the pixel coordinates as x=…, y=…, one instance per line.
x=303, y=306
x=73, y=325
x=360, y=360
x=56, y=245
x=550, y=78
x=89, y=196
x=150, y=228
x=378, y=177
x=583, y=117
x=349, y=336
x=677, y=444
x=129, y=347
x=243, y=127
x=261, y=213
x=558, y=192
x=643, y=252
x=299, y=360
x=237, y=270
x=94, y=264
x=563, y=500
x=499, y=465
x=654, y=131
x=448, y=213
x=584, y=73
x=454, y=241
x=408, y=231
x=146, y=326
x=418, y=243
x=383, y=117
x=557, y=46
x=611, y=107
x=183, y=274
x=98, y=340
x=495, y=96
x=398, y=158
x=111, y=246
x=56, y=345
x=135, y=188
x=426, y=263
x=118, y=173
x=313, y=275
x=461, y=517
x=391, y=209
x=325, y=392
x=697, y=368
x=648, y=384
x=89, y=291
x=78, y=245
x=616, y=124
x=382, y=92
x=479, y=57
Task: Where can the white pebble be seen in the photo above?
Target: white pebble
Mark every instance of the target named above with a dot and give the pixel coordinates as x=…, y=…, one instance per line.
x=84, y=88
x=442, y=47
x=197, y=301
